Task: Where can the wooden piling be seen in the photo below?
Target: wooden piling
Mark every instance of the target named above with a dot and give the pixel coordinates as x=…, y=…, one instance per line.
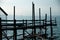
x=40, y=19
x=0, y=30
x=23, y=31
x=33, y=18
x=45, y=25
x=15, y=31
x=26, y=23
x=51, y=23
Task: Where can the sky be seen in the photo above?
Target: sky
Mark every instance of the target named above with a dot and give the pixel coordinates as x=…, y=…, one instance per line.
x=24, y=7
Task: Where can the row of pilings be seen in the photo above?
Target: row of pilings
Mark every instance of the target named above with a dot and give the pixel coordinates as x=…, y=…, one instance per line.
x=33, y=27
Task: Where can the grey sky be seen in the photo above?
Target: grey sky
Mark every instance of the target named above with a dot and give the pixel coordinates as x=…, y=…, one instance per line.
x=24, y=7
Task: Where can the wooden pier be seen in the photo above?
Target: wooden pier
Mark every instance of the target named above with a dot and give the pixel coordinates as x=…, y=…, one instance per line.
x=28, y=24
x=24, y=26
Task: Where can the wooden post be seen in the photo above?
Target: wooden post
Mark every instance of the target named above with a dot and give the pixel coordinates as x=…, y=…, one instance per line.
x=40, y=19
x=23, y=35
x=33, y=18
x=26, y=23
x=33, y=11
x=0, y=30
x=34, y=31
x=6, y=23
x=23, y=32
x=51, y=22
x=15, y=31
x=40, y=16
x=45, y=25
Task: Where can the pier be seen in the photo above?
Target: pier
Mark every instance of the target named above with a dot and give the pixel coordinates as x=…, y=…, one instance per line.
x=28, y=24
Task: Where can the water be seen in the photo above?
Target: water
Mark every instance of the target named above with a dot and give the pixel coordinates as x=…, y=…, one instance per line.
x=56, y=30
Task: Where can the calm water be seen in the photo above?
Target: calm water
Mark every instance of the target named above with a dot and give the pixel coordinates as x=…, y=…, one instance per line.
x=56, y=30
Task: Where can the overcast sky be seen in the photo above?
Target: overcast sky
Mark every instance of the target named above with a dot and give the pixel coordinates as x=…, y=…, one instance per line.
x=24, y=7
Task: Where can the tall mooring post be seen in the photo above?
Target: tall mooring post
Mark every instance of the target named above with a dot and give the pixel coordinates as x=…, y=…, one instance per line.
x=40, y=19
x=15, y=31
x=33, y=18
x=0, y=30
x=51, y=23
x=40, y=16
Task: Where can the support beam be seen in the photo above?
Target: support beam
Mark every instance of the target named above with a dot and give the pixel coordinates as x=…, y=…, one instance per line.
x=26, y=23
x=6, y=23
x=0, y=30
x=23, y=32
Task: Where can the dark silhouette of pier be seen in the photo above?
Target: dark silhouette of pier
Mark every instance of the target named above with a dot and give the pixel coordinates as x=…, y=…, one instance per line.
x=24, y=25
